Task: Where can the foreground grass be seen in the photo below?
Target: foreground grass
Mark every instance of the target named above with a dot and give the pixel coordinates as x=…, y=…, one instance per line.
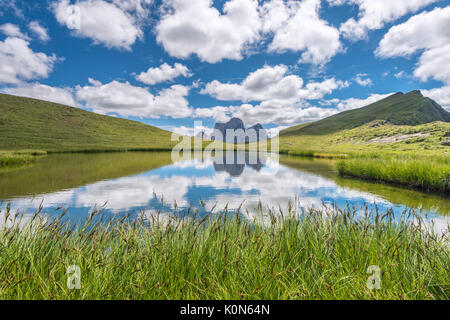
x=320, y=255
x=425, y=174
x=19, y=158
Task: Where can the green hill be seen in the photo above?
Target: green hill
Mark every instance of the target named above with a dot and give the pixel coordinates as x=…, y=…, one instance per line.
x=34, y=124
x=408, y=123
x=398, y=109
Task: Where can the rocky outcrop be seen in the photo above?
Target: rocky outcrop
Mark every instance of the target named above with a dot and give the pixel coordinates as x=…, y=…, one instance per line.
x=446, y=143
x=237, y=124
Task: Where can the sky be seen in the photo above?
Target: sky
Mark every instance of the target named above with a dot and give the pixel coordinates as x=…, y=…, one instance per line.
x=170, y=63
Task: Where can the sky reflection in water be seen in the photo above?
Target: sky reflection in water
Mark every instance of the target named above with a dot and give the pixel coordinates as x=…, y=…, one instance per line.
x=190, y=182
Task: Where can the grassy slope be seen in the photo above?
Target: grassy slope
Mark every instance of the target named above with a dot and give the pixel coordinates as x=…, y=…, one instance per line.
x=399, y=109
x=357, y=130
x=361, y=139
x=417, y=159
x=34, y=124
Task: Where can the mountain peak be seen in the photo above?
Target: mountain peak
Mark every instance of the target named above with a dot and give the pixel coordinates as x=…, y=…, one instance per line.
x=399, y=109
x=236, y=124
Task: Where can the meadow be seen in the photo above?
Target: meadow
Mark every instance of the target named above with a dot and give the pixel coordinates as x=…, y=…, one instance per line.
x=315, y=254
x=411, y=156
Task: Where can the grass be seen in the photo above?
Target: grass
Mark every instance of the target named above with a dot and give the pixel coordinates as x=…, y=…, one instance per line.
x=399, y=109
x=424, y=174
x=35, y=124
x=12, y=159
x=318, y=255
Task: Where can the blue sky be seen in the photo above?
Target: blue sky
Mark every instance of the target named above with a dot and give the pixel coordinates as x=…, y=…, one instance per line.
x=169, y=63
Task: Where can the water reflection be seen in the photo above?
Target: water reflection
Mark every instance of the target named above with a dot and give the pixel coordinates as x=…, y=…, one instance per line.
x=128, y=183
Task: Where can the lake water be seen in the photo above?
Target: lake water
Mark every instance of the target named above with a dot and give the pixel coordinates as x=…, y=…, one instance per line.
x=129, y=183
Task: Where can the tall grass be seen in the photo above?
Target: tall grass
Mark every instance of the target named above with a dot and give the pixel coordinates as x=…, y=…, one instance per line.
x=317, y=255
x=18, y=158
x=425, y=174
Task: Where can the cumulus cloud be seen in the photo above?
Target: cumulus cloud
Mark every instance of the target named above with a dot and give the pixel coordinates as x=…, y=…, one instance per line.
x=18, y=62
x=11, y=30
x=424, y=31
x=271, y=83
x=374, y=15
x=103, y=22
x=163, y=73
x=441, y=95
x=127, y=100
x=426, y=34
x=297, y=26
x=286, y=114
x=362, y=80
x=197, y=28
x=42, y=92
x=39, y=30
x=354, y=103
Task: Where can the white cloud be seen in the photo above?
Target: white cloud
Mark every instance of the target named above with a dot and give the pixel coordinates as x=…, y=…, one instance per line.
x=400, y=75
x=282, y=97
x=138, y=7
x=354, y=103
x=434, y=63
x=101, y=21
x=18, y=62
x=130, y=101
x=163, y=73
x=440, y=95
x=39, y=30
x=375, y=14
x=427, y=34
x=11, y=30
x=286, y=114
x=362, y=80
x=271, y=83
x=43, y=92
x=427, y=30
x=196, y=27
x=217, y=113
x=297, y=26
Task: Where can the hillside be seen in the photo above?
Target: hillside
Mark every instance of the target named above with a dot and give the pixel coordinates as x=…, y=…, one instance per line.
x=398, y=109
x=399, y=123
x=34, y=124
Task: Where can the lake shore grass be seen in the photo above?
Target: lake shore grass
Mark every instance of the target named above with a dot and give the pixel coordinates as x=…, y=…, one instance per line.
x=321, y=254
x=11, y=159
x=428, y=174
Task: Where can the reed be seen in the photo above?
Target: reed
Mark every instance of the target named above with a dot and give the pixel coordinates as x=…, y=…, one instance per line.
x=314, y=254
x=425, y=174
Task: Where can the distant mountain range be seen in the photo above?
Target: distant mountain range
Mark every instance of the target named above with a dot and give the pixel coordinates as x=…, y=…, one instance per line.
x=27, y=123
x=398, y=109
x=255, y=133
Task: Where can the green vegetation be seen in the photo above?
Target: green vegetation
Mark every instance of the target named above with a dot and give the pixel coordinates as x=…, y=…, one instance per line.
x=12, y=159
x=29, y=123
x=429, y=175
x=383, y=139
x=399, y=140
x=323, y=255
x=399, y=109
